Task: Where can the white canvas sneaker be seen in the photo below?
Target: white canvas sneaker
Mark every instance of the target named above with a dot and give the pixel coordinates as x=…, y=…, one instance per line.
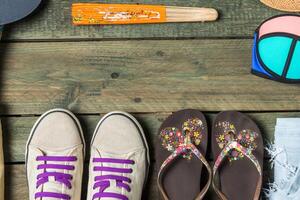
x=55, y=156
x=119, y=159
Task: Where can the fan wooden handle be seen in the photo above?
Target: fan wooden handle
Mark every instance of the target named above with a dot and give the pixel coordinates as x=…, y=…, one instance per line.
x=190, y=14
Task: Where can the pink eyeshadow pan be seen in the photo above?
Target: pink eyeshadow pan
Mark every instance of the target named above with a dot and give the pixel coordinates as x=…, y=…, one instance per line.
x=283, y=24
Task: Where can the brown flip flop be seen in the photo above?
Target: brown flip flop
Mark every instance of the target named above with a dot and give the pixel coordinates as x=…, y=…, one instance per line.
x=180, y=155
x=238, y=153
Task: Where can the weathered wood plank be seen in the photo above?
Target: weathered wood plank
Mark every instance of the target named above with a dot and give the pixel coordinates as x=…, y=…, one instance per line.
x=135, y=76
x=16, y=129
x=237, y=19
x=16, y=185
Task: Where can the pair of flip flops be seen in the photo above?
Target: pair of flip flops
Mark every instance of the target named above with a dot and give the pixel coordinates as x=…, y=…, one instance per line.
x=237, y=148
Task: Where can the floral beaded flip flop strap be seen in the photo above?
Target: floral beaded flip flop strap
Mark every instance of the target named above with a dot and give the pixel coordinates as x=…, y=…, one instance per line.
x=235, y=146
x=182, y=143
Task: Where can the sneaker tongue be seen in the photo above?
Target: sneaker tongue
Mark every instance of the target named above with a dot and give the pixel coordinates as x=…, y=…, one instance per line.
x=113, y=188
x=52, y=185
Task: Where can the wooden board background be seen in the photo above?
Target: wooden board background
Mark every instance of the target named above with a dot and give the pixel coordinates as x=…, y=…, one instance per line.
x=148, y=70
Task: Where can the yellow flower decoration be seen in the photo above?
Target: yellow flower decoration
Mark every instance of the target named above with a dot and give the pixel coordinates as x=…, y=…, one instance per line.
x=196, y=134
x=221, y=137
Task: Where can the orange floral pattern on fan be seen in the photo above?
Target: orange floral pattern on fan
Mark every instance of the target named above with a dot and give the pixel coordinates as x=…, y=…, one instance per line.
x=95, y=13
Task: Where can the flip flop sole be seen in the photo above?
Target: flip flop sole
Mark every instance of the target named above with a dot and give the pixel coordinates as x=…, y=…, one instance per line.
x=238, y=178
x=182, y=179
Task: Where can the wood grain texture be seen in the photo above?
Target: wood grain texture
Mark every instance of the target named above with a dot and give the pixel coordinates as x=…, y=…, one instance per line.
x=46, y=62
x=16, y=186
x=238, y=18
x=16, y=130
x=135, y=76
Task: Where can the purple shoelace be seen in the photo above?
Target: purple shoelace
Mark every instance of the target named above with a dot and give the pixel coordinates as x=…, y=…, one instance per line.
x=103, y=182
x=64, y=179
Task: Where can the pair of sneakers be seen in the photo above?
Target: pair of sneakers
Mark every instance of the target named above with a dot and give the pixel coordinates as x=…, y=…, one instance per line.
x=55, y=155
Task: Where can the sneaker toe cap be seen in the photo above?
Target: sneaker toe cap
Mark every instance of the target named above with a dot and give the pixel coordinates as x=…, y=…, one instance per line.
x=118, y=133
x=56, y=130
